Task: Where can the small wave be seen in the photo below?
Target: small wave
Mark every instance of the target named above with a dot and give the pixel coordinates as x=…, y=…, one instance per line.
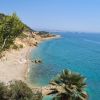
x=92, y=41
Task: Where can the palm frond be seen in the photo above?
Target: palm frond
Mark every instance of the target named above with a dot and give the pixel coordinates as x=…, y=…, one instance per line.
x=71, y=84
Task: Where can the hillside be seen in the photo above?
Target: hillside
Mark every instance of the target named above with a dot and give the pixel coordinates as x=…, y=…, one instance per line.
x=12, y=29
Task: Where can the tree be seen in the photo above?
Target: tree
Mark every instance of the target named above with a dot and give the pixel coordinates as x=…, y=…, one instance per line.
x=69, y=86
x=10, y=28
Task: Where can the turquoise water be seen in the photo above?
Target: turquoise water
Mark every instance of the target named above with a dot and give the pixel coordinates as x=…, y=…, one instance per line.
x=78, y=52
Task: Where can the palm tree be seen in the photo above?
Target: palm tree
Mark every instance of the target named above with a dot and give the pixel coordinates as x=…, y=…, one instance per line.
x=69, y=86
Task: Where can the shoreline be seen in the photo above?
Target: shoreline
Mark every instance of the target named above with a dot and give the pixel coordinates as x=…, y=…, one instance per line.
x=15, y=64
x=32, y=48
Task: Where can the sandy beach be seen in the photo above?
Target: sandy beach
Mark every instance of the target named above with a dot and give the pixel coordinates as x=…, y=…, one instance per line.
x=14, y=65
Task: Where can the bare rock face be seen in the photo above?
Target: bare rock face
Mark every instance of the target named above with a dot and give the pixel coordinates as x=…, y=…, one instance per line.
x=31, y=39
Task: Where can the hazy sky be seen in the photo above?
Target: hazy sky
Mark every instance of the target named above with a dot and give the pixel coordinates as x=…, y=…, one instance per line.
x=69, y=15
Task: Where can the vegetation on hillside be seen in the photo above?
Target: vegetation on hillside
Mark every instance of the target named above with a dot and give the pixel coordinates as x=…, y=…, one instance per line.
x=17, y=90
x=10, y=28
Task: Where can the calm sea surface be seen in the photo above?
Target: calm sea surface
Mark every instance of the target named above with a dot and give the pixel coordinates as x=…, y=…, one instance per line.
x=78, y=52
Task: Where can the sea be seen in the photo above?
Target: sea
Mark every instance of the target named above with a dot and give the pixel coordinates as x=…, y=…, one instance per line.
x=79, y=52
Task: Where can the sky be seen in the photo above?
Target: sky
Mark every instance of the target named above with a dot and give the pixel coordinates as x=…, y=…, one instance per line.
x=66, y=15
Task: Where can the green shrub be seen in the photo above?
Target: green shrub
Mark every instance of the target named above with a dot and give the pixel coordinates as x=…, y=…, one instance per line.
x=3, y=92
x=20, y=91
x=15, y=47
x=20, y=46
